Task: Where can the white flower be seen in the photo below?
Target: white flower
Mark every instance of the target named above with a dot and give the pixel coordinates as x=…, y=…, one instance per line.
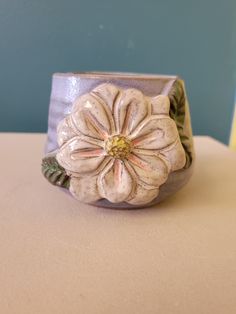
x=119, y=144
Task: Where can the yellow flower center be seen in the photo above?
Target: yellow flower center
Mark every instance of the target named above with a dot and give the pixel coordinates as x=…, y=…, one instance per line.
x=118, y=146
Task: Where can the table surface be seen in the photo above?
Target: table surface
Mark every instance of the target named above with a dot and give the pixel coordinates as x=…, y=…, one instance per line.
x=60, y=256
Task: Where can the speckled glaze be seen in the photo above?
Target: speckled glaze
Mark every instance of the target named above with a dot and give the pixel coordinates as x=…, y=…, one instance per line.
x=118, y=140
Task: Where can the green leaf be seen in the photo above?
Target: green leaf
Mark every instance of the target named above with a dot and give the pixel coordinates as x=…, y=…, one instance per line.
x=54, y=173
x=179, y=113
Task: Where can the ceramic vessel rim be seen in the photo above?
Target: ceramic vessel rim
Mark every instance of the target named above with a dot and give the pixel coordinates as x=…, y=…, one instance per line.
x=122, y=75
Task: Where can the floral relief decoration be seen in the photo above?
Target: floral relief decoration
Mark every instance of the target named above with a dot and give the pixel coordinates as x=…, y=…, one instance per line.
x=119, y=144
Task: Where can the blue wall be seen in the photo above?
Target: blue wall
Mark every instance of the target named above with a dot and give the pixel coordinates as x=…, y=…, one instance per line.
x=195, y=39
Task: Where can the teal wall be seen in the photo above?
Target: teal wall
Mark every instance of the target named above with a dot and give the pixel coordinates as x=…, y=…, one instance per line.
x=195, y=39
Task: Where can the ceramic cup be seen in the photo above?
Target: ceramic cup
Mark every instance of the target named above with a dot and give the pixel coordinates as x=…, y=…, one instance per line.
x=118, y=140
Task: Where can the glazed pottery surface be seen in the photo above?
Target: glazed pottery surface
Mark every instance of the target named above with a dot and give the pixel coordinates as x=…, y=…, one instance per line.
x=117, y=139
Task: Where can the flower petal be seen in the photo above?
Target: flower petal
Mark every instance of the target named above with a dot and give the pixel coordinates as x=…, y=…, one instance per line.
x=160, y=104
x=108, y=93
x=158, y=133
x=143, y=196
x=85, y=189
x=91, y=116
x=64, y=131
x=151, y=171
x=115, y=182
x=175, y=154
x=70, y=156
x=130, y=110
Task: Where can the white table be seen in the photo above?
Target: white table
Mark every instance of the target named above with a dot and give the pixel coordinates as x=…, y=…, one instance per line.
x=60, y=256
